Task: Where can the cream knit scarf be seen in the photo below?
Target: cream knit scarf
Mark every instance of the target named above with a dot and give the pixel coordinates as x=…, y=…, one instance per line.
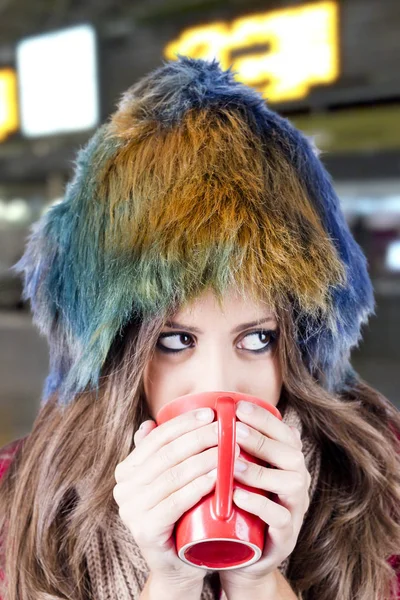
x=116, y=567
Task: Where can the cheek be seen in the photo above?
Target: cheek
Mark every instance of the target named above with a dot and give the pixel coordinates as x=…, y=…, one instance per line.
x=160, y=384
x=267, y=382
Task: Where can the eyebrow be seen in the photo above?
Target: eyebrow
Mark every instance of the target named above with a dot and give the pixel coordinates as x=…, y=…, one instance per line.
x=175, y=325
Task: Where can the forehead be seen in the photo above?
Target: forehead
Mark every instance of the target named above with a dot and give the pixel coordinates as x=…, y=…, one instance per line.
x=232, y=306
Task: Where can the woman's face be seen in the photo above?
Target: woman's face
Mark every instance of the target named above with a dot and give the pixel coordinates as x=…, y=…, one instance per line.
x=215, y=351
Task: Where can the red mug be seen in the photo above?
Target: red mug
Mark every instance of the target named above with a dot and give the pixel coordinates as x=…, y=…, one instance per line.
x=215, y=533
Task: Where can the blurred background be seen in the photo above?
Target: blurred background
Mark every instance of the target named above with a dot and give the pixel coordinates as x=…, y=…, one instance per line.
x=330, y=67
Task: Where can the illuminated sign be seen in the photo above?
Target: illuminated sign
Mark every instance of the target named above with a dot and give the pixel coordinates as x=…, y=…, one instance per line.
x=8, y=103
x=281, y=53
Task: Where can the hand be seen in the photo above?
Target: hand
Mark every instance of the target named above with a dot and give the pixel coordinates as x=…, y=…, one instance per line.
x=277, y=444
x=163, y=477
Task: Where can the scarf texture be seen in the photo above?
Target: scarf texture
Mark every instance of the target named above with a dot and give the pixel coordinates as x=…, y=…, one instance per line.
x=116, y=567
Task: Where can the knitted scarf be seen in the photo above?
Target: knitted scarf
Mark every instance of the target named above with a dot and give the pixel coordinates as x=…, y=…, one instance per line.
x=116, y=567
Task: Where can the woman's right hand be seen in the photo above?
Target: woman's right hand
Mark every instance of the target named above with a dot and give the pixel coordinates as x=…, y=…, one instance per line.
x=166, y=474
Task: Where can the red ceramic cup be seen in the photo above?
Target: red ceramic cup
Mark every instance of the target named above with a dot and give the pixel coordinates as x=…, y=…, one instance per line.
x=215, y=533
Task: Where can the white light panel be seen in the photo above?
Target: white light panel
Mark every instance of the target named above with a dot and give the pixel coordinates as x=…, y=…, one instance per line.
x=58, y=82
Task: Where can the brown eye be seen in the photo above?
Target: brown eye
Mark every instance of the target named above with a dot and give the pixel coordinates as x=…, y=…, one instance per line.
x=174, y=339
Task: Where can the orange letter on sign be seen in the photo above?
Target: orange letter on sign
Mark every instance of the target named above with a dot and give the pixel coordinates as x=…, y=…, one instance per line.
x=8, y=103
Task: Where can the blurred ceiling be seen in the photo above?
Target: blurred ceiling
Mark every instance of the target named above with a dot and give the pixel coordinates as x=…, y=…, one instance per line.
x=19, y=18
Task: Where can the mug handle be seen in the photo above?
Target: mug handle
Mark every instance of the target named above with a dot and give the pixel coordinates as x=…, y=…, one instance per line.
x=226, y=416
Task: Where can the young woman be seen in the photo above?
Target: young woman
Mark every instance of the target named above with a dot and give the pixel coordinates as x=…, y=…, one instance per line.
x=200, y=246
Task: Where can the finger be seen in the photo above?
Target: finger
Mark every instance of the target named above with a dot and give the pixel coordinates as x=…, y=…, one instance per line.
x=279, y=543
x=270, y=512
x=287, y=483
x=180, y=475
x=297, y=509
x=264, y=421
x=170, y=480
x=176, y=452
x=290, y=485
x=172, y=508
x=277, y=454
x=167, y=432
x=172, y=454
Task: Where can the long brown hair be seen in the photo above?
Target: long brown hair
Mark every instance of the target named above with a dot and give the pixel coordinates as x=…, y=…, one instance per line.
x=58, y=490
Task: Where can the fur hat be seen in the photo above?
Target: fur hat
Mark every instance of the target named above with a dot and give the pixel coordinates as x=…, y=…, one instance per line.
x=193, y=181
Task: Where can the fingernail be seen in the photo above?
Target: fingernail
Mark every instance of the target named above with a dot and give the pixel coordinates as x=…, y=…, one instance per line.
x=240, y=466
x=240, y=494
x=242, y=430
x=143, y=425
x=204, y=414
x=245, y=407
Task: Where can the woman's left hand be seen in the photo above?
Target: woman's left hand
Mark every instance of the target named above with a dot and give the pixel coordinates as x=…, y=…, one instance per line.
x=277, y=444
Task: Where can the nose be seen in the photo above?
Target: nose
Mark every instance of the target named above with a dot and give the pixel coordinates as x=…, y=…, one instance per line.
x=215, y=372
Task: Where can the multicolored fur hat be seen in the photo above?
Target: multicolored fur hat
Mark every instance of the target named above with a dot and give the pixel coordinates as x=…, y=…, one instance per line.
x=193, y=182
